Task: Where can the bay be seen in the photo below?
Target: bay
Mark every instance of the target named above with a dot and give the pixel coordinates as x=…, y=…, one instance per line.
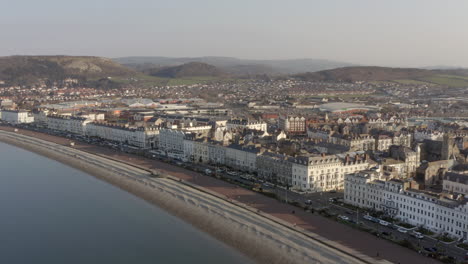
x=52, y=213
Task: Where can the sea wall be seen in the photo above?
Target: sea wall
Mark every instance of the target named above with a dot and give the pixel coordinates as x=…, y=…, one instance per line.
x=261, y=237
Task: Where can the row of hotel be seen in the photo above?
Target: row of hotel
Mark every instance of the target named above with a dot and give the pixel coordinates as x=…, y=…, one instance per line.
x=385, y=185
x=443, y=212
x=215, y=143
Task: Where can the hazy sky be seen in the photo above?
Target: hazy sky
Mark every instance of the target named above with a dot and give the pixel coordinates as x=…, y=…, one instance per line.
x=372, y=32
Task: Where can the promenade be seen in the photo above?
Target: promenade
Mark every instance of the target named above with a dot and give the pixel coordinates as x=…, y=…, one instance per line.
x=358, y=241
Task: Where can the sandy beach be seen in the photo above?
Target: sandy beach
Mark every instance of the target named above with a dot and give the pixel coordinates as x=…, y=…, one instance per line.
x=262, y=238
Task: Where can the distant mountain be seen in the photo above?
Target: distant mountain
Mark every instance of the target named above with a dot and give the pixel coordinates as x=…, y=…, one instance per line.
x=371, y=73
x=442, y=67
x=458, y=71
x=237, y=66
x=29, y=69
x=191, y=69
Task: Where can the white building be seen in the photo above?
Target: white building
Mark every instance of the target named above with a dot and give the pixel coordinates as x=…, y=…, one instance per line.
x=17, y=116
x=422, y=134
x=217, y=154
x=440, y=213
x=383, y=142
x=71, y=124
x=325, y=173
x=172, y=140
x=455, y=183
x=142, y=137
x=242, y=157
x=246, y=124
x=196, y=150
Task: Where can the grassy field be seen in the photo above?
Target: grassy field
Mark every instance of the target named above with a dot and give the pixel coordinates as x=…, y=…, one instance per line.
x=190, y=81
x=410, y=82
x=150, y=81
x=448, y=80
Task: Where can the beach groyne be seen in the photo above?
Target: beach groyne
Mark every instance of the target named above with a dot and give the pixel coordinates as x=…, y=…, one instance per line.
x=262, y=238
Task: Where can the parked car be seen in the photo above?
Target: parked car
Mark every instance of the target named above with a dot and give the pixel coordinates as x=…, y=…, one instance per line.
x=368, y=217
x=308, y=202
x=402, y=230
x=343, y=217
x=432, y=249
x=384, y=223
x=417, y=235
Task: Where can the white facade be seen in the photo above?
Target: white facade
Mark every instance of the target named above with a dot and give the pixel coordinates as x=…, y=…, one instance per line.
x=420, y=135
x=171, y=140
x=17, y=116
x=324, y=173
x=75, y=125
x=217, y=154
x=241, y=158
x=245, y=124
x=432, y=211
x=455, y=183
x=138, y=137
x=383, y=143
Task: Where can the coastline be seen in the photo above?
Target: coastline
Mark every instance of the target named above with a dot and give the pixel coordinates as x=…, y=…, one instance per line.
x=254, y=235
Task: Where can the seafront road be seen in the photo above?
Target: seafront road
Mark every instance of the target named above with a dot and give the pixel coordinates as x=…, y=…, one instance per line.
x=362, y=242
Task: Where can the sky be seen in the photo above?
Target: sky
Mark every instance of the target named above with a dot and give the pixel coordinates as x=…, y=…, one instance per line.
x=399, y=33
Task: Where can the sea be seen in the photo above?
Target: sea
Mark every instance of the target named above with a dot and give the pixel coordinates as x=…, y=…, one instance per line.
x=51, y=213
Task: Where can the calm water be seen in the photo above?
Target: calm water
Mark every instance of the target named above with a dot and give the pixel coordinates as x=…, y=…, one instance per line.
x=51, y=213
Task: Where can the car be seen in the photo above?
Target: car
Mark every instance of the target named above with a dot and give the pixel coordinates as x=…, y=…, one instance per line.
x=308, y=202
x=432, y=249
x=402, y=230
x=384, y=223
x=245, y=177
x=343, y=217
x=332, y=200
x=368, y=217
x=417, y=235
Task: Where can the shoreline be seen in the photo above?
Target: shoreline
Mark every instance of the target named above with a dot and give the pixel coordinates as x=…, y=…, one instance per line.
x=258, y=237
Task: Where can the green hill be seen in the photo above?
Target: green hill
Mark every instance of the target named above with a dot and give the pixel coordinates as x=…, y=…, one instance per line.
x=191, y=69
x=29, y=69
x=449, y=78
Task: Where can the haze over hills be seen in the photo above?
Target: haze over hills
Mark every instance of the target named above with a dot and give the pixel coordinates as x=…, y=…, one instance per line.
x=191, y=69
x=28, y=69
x=366, y=73
x=450, y=78
x=237, y=66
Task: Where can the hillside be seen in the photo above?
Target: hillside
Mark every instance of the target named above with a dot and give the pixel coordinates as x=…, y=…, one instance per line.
x=28, y=69
x=191, y=69
x=234, y=66
x=352, y=74
x=447, y=78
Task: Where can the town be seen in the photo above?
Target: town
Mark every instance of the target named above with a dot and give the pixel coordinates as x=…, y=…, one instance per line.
x=404, y=163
